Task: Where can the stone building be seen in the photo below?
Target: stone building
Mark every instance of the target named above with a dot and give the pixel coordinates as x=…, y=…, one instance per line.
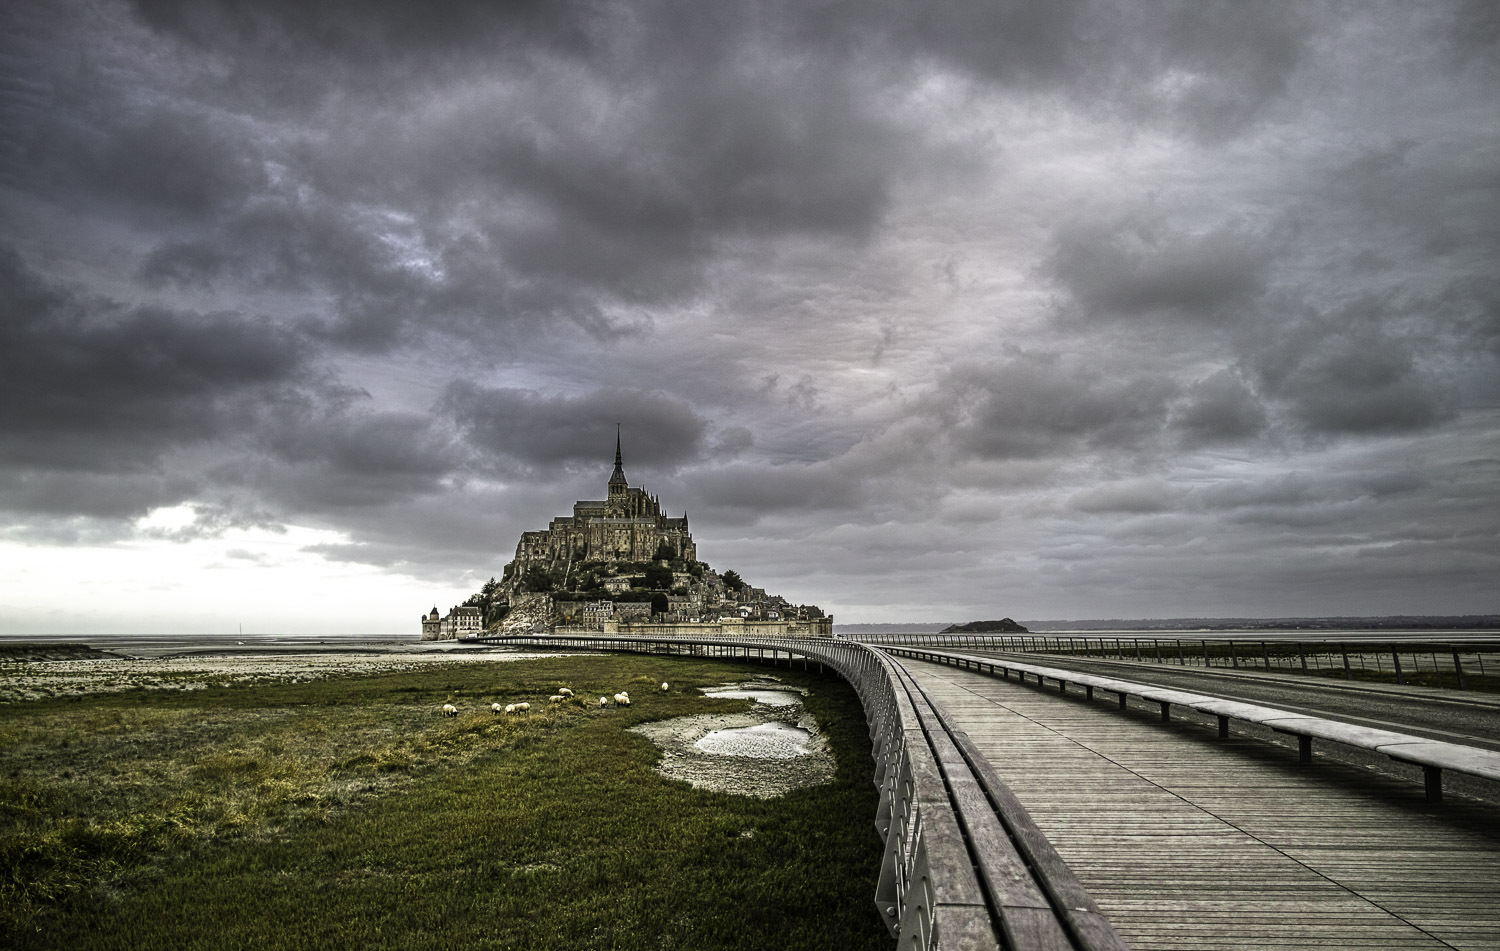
x=627, y=525
x=462, y=621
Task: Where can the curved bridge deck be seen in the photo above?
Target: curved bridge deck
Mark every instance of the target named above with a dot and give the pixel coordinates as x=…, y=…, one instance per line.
x=1187, y=842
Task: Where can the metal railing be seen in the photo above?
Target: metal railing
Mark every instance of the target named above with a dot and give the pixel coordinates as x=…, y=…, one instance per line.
x=1448, y=661
x=1433, y=756
x=963, y=864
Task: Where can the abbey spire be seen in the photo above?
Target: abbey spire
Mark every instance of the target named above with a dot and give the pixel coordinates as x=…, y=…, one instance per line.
x=617, y=483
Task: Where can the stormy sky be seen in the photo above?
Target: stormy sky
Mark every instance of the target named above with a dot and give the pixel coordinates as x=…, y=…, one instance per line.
x=921, y=311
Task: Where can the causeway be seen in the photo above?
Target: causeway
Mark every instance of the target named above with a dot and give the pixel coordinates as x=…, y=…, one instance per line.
x=1191, y=842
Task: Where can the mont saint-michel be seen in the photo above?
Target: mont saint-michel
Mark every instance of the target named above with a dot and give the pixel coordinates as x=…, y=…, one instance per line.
x=620, y=565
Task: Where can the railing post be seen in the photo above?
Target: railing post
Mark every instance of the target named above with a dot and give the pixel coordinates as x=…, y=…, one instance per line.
x=1458, y=668
x=1233, y=658
x=1302, y=656
x=1396, y=656
x=1344, y=650
x=1265, y=655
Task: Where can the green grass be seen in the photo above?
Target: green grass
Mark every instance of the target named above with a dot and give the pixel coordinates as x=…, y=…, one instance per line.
x=347, y=813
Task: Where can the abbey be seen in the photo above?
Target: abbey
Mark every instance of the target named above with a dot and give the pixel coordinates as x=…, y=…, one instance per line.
x=619, y=565
x=626, y=526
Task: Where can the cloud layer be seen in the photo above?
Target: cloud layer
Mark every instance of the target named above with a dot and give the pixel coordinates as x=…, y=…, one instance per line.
x=1067, y=309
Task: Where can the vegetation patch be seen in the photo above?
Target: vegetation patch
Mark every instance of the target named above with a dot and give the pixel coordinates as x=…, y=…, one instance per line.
x=348, y=811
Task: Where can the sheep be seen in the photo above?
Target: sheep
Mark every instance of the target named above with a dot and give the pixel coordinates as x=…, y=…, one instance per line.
x=566, y=692
x=603, y=701
x=664, y=686
x=622, y=698
x=522, y=707
x=510, y=708
x=449, y=710
x=495, y=707
x=556, y=698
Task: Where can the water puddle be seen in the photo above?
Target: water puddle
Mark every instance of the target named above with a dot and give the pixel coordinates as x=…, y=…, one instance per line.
x=771, y=697
x=774, y=740
x=767, y=751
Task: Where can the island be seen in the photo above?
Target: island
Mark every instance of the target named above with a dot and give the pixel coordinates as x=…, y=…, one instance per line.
x=621, y=565
x=1003, y=626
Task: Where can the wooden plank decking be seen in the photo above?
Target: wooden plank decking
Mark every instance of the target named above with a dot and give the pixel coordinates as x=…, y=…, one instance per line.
x=1188, y=842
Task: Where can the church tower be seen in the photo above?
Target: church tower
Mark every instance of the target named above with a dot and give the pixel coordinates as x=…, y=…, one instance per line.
x=617, y=484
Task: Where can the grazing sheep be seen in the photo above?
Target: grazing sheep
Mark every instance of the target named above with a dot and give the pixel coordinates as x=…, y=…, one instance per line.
x=556, y=698
x=566, y=692
x=449, y=710
x=522, y=707
x=622, y=698
x=603, y=701
x=664, y=686
x=510, y=708
x=495, y=707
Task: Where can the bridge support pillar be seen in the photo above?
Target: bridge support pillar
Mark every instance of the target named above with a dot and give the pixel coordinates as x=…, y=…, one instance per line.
x=1166, y=711
x=1088, y=691
x=1122, y=701
x=1432, y=778
x=1304, y=750
x=1223, y=727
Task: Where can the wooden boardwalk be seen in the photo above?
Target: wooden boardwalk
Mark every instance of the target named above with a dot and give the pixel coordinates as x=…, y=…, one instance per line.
x=1189, y=842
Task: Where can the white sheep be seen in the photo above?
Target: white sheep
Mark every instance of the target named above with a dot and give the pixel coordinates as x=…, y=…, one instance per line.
x=664, y=686
x=556, y=698
x=522, y=707
x=622, y=698
x=603, y=701
x=566, y=692
x=449, y=710
x=495, y=707
x=510, y=708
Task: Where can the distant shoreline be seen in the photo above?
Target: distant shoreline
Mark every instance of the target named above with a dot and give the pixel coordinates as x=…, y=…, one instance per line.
x=1468, y=622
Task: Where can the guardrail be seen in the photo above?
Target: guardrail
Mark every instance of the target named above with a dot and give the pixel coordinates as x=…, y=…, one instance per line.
x=1433, y=756
x=1446, y=662
x=963, y=866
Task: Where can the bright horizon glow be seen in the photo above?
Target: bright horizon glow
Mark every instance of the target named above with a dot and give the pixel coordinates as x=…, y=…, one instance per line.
x=266, y=581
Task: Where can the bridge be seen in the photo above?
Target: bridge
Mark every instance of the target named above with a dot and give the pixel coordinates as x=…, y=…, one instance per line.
x=1034, y=797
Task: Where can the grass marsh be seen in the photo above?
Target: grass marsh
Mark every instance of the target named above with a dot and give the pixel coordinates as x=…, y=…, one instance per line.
x=346, y=811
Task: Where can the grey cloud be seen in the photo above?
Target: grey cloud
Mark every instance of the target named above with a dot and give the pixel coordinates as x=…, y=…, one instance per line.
x=1032, y=407
x=1351, y=381
x=1142, y=265
x=538, y=431
x=1135, y=497
x=86, y=382
x=1220, y=408
x=745, y=493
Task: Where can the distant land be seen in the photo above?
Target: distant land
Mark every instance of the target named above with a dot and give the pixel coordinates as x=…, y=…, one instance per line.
x=1397, y=622
x=1002, y=626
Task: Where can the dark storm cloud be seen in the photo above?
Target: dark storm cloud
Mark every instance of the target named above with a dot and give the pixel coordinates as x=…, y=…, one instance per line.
x=1143, y=265
x=1340, y=374
x=540, y=431
x=743, y=494
x=107, y=411
x=1034, y=406
x=1220, y=408
x=88, y=383
x=1153, y=294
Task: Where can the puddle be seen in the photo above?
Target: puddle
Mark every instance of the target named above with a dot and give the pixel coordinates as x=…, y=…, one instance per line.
x=765, y=752
x=770, y=696
x=774, y=740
